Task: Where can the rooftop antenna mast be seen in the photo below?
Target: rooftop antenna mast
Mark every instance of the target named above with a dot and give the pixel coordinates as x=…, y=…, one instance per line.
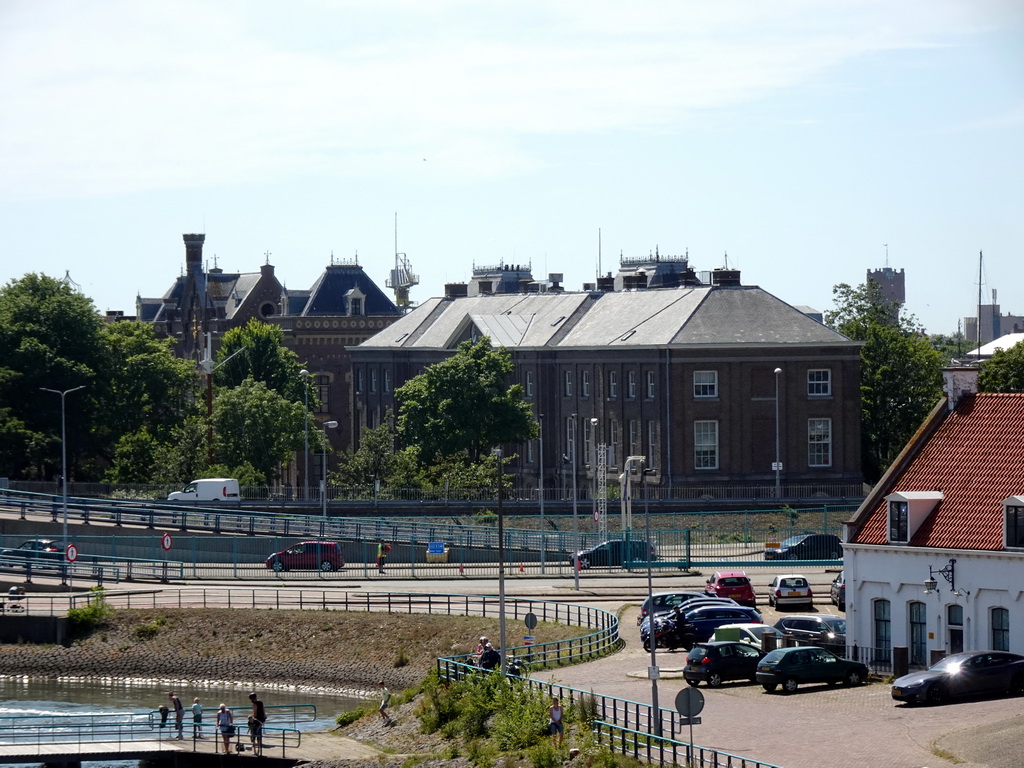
x=599, y=252
x=402, y=277
x=980, y=257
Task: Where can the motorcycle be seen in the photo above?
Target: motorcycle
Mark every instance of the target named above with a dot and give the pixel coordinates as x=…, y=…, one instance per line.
x=515, y=667
x=670, y=633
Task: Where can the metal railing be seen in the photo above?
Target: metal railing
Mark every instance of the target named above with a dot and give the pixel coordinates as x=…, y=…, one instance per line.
x=668, y=750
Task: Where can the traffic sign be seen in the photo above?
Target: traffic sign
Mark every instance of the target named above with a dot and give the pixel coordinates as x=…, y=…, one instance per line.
x=530, y=620
x=776, y=466
x=165, y=541
x=689, y=702
x=71, y=553
x=528, y=639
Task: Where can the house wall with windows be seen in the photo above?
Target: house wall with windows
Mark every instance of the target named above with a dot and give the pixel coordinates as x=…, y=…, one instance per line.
x=682, y=374
x=950, y=509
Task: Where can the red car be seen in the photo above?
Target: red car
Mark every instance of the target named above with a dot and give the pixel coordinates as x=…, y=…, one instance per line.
x=734, y=584
x=308, y=556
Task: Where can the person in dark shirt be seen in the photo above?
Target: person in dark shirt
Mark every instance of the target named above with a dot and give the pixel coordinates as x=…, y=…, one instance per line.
x=490, y=658
x=259, y=717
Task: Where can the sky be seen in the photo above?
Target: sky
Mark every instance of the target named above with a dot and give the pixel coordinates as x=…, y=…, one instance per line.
x=799, y=141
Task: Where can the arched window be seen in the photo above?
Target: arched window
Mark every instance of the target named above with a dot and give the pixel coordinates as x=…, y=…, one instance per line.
x=918, y=634
x=882, y=631
x=1000, y=618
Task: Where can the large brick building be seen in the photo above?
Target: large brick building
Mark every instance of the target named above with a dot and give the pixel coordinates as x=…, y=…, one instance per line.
x=343, y=308
x=698, y=372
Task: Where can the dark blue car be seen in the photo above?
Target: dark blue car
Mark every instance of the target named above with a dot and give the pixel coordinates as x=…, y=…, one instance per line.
x=701, y=622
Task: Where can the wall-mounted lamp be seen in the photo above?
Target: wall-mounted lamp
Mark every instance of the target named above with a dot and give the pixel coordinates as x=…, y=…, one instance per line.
x=948, y=573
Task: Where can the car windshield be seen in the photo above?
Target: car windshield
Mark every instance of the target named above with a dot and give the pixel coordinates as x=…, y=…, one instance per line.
x=836, y=624
x=793, y=540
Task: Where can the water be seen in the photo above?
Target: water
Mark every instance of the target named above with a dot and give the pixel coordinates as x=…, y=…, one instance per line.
x=35, y=696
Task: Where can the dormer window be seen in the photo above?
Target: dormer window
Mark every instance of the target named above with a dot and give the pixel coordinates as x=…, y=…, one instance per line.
x=898, y=522
x=356, y=302
x=907, y=510
x=356, y=307
x=1014, y=518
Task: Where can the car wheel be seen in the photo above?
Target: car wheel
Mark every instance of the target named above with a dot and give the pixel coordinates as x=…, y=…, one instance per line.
x=789, y=685
x=854, y=677
x=937, y=694
x=278, y=566
x=326, y=566
x=769, y=687
x=714, y=680
x=1017, y=686
x=771, y=603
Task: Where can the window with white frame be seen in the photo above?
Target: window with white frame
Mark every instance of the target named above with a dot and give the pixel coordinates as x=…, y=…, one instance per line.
x=613, y=442
x=1014, y=526
x=819, y=442
x=373, y=379
x=705, y=445
x=898, y=522
x=650, y=385
x=585, y=384
x=634, y=437
x=570, y=440
x=819, y=382
x=631, y=384
x=567, y=385
x=613, y=384
x=705, y=384
x=882, y=631
x=652, y=444
x=529, y=384
x=588, y=441
x=529, y=451
x=918, y=634
x=1000, y=629
x=360, y=380
x=323, y=391
x=387, y=380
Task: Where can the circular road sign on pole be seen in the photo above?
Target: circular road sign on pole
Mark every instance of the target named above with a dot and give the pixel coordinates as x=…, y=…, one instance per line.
x=165, y=541
x=530, y=620
x=689, y=702
x=71, y=553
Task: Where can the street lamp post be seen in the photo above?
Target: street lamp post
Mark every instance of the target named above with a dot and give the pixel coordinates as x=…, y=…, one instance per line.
x=63, y=470
x=305, y=439
x=778, y=460
x=575, y=518
x=653, y=672
x=323, y=470
x=501, y=564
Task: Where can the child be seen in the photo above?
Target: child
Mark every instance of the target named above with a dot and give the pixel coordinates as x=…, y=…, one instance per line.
x=385, y=701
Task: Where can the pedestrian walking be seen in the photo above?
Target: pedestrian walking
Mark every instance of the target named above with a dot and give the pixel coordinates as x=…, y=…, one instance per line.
x=226, y=726
x=179, y=715
x=382, y=552
x=385, y=702
x=197, y=719
x=555, y=725
x=256, y=722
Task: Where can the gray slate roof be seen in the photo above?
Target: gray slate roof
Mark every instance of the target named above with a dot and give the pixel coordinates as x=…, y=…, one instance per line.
x=706, y=315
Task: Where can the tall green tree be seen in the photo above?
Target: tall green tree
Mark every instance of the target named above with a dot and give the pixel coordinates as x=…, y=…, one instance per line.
x=255, y=424
x=464, y=405
x=50, y=337
x=257, y=352
x=1004, y=371
x=377, y=459
x=901, y=372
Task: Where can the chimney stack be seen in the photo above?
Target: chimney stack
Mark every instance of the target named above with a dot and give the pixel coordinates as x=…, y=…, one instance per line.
x=194, y=249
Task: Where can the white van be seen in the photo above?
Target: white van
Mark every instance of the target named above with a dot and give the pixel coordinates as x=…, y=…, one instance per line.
x=208, y=489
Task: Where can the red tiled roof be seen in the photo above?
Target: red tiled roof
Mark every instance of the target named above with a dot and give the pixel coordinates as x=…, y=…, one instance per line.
x=976, y=458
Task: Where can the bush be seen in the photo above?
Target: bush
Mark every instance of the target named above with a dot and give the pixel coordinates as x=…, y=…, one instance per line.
x=347, y=718
x=87, y=618
x=150, y=629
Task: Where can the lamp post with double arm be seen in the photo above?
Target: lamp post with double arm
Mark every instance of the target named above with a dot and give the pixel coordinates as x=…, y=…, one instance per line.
x=63, y=472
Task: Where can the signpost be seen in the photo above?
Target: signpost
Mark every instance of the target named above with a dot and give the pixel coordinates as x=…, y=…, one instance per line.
x=689, y=703
x=71, y=553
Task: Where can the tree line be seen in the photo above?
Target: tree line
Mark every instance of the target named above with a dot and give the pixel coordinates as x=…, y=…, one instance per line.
x=142, y=415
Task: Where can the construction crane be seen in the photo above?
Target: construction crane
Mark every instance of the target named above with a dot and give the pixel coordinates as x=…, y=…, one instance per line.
x=402, y=277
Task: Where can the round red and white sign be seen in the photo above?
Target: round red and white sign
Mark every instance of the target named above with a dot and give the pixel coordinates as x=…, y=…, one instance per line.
x=165, y=541
x=71, y=553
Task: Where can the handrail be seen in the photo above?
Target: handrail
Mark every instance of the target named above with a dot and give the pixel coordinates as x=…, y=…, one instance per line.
x=667, y=750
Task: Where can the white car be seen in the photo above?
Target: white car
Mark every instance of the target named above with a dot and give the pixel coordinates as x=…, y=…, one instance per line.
x=790, y=589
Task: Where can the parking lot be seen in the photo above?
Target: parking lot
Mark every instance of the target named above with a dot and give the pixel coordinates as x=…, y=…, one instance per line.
x=819, y=726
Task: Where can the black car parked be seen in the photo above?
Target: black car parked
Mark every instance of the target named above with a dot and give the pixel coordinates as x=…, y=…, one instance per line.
x=815, y=629
x=714, y=663
x=837, y=592
x=807, y=546
x=616, y=553
x=963, y=674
